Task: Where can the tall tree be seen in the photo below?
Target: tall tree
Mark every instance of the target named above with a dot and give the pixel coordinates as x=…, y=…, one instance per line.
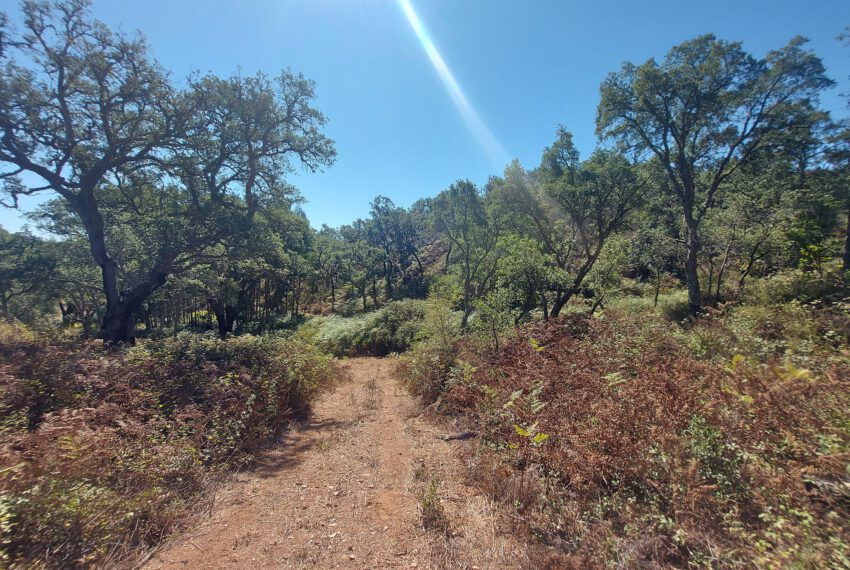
x=328, y=259
x=78, y=104
x=461, y=216
x=392, y=230
x=705, y=111
x=596, y=200
x=528, y=211
x=839, y=157
x=87, y=112
x=27, y=266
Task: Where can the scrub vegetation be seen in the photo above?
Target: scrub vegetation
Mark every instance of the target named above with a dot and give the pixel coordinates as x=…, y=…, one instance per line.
x=647, y=348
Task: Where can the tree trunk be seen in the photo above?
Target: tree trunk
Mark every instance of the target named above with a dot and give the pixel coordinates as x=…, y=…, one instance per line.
x=596, y=304
x=117, y=326
x=66, y=313
x=657, y=288
x=148, y=322
x=845, y=266
x=464, y=322
x=388, y=277
x=720, y=273
x=545, y=304
x=582, y=273
x=467, y=298
x=751, y=260
x=691, y=266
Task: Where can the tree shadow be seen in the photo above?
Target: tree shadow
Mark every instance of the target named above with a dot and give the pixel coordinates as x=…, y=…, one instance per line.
x=292, y=446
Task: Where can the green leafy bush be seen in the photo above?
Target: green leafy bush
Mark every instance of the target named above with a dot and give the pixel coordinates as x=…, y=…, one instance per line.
x=789, y=285
x=427, y=368
x=392, y=328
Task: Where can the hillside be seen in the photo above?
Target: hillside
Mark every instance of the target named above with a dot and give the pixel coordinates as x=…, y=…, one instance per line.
x=496, y=341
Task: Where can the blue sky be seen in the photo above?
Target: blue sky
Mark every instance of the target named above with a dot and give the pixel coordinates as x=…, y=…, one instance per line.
x=524, y=67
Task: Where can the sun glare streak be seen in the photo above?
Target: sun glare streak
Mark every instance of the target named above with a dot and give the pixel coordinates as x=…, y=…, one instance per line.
x=494, y=149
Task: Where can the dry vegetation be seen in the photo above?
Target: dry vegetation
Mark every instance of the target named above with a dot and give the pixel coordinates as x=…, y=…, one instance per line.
x=102, y=453
x=612, y=443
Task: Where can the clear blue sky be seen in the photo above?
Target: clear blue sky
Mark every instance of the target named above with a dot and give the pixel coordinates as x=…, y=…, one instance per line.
x=524, y=67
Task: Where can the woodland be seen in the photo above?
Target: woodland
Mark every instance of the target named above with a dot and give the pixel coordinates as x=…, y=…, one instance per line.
x=651, y=342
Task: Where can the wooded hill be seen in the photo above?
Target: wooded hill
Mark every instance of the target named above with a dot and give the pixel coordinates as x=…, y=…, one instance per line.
x=650, y=342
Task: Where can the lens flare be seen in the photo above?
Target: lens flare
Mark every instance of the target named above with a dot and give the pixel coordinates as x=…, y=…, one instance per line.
x=494, y=149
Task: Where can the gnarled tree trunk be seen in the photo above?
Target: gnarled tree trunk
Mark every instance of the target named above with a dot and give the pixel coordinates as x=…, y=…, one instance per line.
x=117, y=326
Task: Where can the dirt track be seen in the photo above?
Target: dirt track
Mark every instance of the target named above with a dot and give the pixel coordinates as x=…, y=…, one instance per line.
x=343, y=491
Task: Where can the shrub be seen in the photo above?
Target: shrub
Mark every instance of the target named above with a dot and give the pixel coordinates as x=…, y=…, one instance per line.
x=789, y=285
x=804, y=335
x=431, y=511
x=392, y=328
x=427, y=368
x=674, y=306
x=638, y=453
x=117, y=445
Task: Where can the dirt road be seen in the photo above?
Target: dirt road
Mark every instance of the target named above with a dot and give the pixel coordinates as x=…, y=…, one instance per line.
x=345, y=490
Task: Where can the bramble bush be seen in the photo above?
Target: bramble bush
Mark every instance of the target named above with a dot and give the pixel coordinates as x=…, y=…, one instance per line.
x=617, y=445
x=103, y=452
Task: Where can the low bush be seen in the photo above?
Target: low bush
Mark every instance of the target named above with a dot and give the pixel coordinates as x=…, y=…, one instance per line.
x=101, y=453
x=428, y=369
x=806, y=335
x=792, y=285
x=392, y=328
x=619, y=447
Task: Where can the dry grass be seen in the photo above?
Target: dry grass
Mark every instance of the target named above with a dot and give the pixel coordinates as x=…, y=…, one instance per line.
x=372, y=394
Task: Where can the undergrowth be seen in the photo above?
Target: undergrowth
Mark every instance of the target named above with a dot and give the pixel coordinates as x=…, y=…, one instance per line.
x=632, y=441
x=392, y=328
x=102, y=453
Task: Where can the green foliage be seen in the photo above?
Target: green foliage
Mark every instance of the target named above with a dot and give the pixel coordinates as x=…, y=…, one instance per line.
x=467, y=225
x=720, y=460
x=674, y=307
x=427, y=369
x=493, y=317
x=708, y=110
x=789, y=285
x=392, y=328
